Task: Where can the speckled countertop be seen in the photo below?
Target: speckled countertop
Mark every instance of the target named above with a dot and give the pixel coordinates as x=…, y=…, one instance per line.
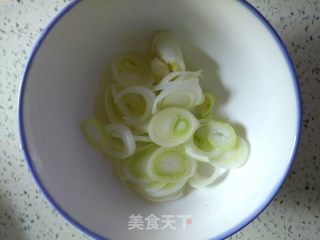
x=26, y=214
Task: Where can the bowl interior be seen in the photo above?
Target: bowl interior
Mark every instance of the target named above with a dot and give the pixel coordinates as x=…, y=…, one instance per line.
x=243, y=66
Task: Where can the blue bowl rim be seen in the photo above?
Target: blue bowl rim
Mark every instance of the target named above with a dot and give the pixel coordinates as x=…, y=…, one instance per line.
x=87, y=231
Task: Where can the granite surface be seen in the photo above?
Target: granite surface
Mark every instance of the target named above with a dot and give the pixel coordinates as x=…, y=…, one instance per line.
x=294, y=212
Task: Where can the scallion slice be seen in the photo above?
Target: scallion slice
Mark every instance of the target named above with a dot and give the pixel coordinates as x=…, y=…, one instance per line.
x=170, y=165
x=129, y=70
x=166, y=47
x=204, y=176
x=233, y=158
x=221, y=135
x=172, y=126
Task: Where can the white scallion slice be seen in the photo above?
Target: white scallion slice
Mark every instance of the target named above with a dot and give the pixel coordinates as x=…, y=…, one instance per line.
x=170, y=165
x=95, y=133
x=167, y=190
x=181, y=76
x=176, y=77
x=205, y=175
x=222, y=135
x=168, y=78
x=162, y=135
x=135, y=103
x=187, y=75
x=159, y=69
x=153, y=186
x=135, y=168
x=233, y=158
x=205, y=108
x=166, y=47
x=166, y=193
x=137, y=138
x=113, y=112
x=129, y=70
x=142, y=138
x=186, y=94
x=170, y=197
x=121, y=146
x=140, y=128
x=172, y=126
x=199, y=147
x=141, y=145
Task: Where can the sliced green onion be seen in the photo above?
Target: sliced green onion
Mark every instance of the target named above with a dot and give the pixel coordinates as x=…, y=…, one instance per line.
x=199, y=146
x=166, y=198
x=204, y=176
x=135, y=168
x=139, y=129
x=113, y=112
x=187, y=75
x=233, y=158
x=141, y=145
x=170, y=165
x=119, y=148
x=222, y=135
x=135, y=103
x=138, y=138
x=162, y=136
x=167, y=190
x=181, y=76
x=167, y=48
x=166, y=79
x=172, y=126
x=153, y=186
x=204, y=109
x=176, y=77
x=159, y=69
x=142, y=138
x=187, y=94
x=129, y=70
x=95, y=133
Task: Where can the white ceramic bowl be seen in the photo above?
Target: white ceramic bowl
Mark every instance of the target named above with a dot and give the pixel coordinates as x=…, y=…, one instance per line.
x=247, y=68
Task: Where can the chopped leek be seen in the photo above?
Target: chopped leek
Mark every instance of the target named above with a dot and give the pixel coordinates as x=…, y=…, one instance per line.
x=139, y=128
x=113, y=112
x=204, y=176
x=119, y=148
x=176, y=77
x=129, y=70
x=135, y=168
x=153, y=186
x=167, y=190
x=182, y=94
x=233, y=158
x=167, y=48
x=160, y=134
x=141, y=145
x=159, y=69
x=205, y=108
x=172, y=126
x=137, y=138
x=222, y=135
x=135, y=103
x=141, y=138
x=170, y=197
x=95, y=133
x=199, y=146
x=170, y=165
